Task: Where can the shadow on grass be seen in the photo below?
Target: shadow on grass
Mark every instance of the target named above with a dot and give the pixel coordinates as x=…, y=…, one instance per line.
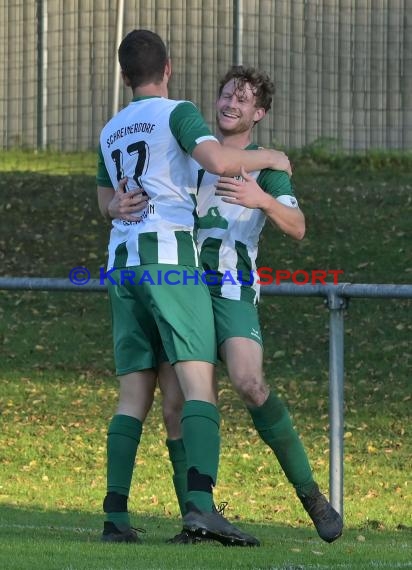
x=70, y=540
x=36, y=523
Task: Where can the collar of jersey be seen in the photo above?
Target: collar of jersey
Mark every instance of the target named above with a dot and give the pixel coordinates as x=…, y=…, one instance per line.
x=142, y=97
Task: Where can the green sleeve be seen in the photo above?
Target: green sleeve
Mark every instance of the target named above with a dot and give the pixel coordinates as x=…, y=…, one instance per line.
x=102, y=177
x=188, y=126
x=275, y=182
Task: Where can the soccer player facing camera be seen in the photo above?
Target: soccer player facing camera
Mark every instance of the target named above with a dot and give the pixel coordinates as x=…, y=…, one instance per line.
x=232, y=212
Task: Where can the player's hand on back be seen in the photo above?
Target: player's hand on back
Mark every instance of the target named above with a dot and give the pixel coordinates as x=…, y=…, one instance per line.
x=126, y=205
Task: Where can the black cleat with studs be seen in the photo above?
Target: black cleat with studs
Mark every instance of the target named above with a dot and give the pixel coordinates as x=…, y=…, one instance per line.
x=186, y=537
x=118, y=533
x=327, y=521
x=213, y=526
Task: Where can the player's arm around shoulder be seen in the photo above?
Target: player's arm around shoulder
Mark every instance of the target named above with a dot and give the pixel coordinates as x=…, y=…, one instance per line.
x=194, y=136
x=228, y=161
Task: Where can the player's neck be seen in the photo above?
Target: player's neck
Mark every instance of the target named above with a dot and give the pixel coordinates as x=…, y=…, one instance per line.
x=238, y=140
x=151, y=90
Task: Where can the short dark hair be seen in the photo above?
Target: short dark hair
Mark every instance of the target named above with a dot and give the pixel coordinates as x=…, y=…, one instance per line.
x=142, y=57
x=262, y=86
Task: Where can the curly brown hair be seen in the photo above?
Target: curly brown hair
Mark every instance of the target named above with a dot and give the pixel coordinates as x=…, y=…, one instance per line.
x=262, y=86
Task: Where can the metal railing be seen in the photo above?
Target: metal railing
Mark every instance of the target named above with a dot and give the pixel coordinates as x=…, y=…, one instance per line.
x=336, y=297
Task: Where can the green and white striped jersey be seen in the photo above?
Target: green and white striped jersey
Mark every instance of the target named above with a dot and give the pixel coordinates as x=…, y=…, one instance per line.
x=228, y=234
x=150, y=142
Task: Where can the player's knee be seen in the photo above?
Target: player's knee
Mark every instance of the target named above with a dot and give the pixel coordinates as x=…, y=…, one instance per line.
x=251, y=388
x=136, y=408
x=172, y=413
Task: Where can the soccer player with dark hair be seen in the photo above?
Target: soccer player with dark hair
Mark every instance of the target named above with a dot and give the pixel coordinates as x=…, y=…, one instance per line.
x=150, y=143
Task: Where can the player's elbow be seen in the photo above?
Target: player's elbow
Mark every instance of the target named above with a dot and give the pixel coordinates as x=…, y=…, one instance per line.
x=216, y=165
x=300, y=234
x=300, y=231
x=222, y=169
x=296, y=230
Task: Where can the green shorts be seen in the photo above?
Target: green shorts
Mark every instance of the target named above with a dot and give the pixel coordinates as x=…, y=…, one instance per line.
x=235, y=318
x=153, y=321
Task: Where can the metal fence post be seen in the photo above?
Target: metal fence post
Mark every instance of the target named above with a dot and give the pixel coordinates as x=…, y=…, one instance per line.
x=336, y=296
x=237, y=32
x=116, y=71
x=336, y=307
x=42, y=22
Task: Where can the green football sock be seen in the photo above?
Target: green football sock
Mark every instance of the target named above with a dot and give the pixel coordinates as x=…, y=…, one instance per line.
x=201, y=440
x=123, y=438
x=274, y=425
x=177, y=457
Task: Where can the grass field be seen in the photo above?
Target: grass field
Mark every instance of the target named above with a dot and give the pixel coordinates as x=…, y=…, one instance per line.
x=58, y=392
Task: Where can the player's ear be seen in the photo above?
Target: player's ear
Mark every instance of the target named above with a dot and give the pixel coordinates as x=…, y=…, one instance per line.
x=168, y=68
x=126, y=80
x=259, y=114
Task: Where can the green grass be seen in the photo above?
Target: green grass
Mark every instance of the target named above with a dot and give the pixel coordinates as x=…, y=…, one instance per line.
x=56, y=540
x=58, y=391
x=48, y=162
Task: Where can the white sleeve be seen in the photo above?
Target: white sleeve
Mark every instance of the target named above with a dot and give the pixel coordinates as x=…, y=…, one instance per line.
x=287, y=200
